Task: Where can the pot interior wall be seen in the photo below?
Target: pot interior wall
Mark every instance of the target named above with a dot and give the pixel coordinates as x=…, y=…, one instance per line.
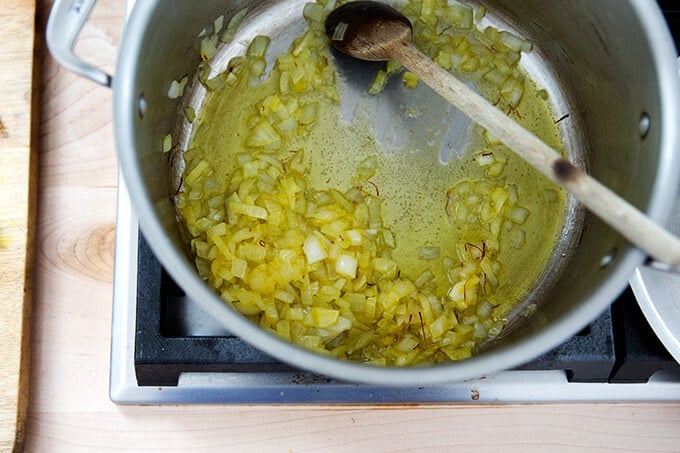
x=593, y=59
x=597, y=61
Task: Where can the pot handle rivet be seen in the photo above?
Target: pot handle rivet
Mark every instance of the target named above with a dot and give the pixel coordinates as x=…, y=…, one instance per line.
x=141, y=105
x=66, y=20
x=608, y=258
x=644, y=125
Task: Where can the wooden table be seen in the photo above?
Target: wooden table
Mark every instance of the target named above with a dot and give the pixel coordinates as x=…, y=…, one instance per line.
x=69, y=408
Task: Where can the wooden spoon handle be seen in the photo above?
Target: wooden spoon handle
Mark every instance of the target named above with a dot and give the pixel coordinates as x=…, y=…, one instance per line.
x=611, y=208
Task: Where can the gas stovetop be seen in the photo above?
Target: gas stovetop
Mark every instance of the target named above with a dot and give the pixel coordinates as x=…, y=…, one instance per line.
x=166, y=350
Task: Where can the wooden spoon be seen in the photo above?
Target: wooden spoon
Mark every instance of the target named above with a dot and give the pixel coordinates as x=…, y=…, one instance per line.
x=372, y=31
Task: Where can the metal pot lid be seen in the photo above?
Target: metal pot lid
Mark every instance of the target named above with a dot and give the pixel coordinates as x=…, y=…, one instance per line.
x=658, y=294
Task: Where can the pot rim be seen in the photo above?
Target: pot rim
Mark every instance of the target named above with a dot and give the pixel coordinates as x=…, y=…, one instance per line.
x=659, y=209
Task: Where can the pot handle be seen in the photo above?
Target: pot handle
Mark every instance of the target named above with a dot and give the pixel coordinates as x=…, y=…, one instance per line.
x=66, y=20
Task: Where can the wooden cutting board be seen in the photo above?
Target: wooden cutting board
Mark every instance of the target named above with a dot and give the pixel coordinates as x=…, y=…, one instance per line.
x=17, y=212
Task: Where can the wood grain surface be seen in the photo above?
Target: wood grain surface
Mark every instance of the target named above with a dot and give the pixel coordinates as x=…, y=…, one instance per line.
x=17, y=209
x=69, y=408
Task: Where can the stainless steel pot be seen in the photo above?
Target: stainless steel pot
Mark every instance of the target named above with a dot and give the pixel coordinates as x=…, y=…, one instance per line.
x=611, y=64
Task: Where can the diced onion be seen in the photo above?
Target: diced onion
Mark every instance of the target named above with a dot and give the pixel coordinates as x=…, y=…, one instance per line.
x=208, y=49
x=510, y=40
x=410, y=79
x=379, y=83
x=190, y=113
x=313, y=12
x=218, y=24
x=346, y=266
x=480, y=13
x=314, y=249
x=393, y=66
x=167, y=143
x=262, y=135
x=428, y=253
x=485, y=158
x=551, y=195
x=216, y=82
x=484, y=310
x=495, y=169
x=258, y=46
x=239, y=267
x=519, y=239
x=480, y=331
x=248, y=210
x=518, y=214
x=177, y=87
x=232, y=27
